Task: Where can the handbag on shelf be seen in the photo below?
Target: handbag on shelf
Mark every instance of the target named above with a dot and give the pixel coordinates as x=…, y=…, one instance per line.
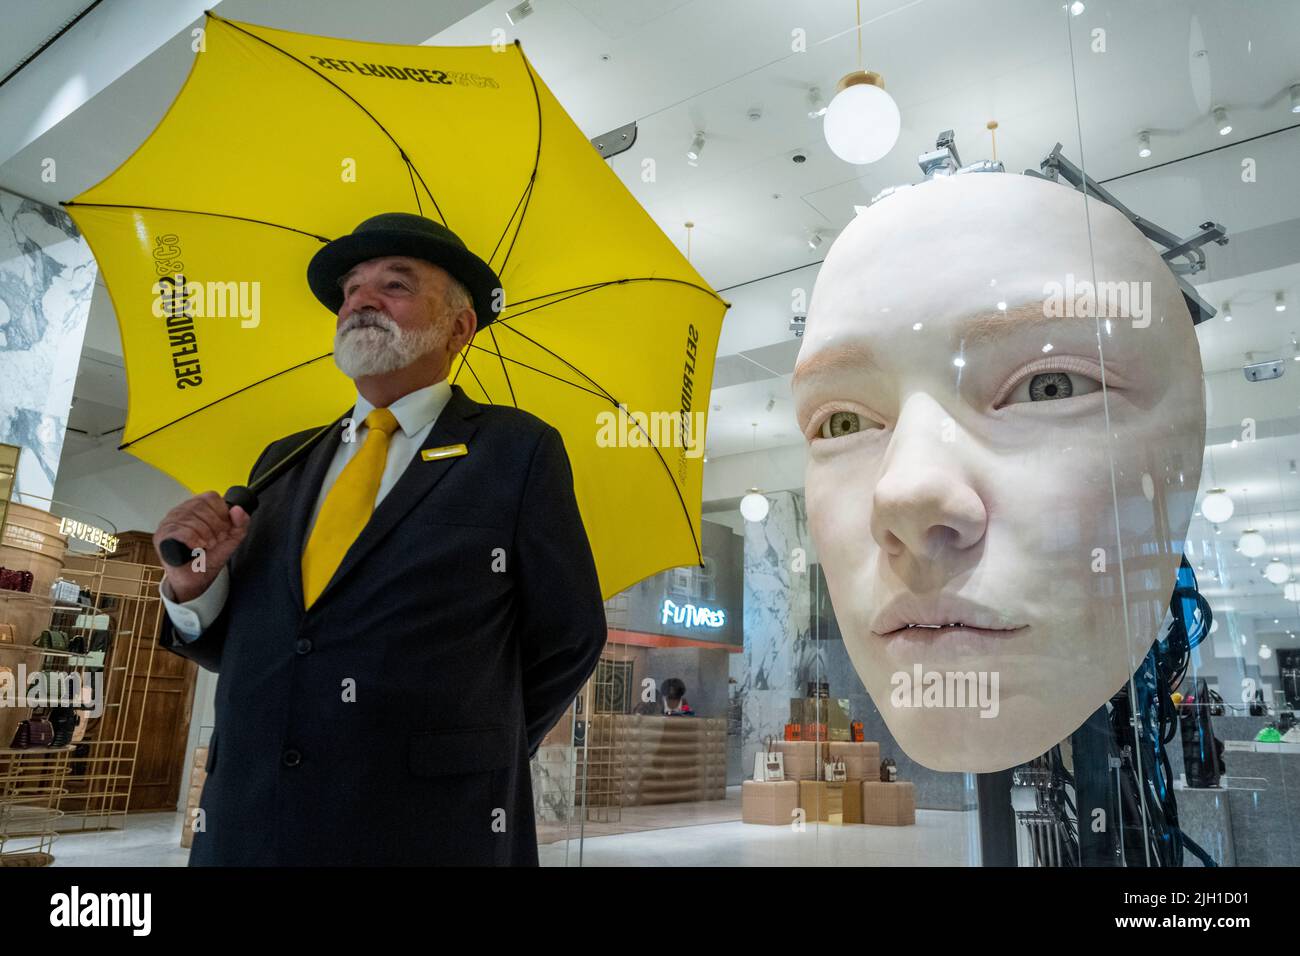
x=52, y=640
x=793, y=731
x=16, y=580
x=1215, y=701
x=888, y=771
x=856, y=733
x=65, y=592
x=7, y=633
x=63, y=720
x=36, y=731
x=77, y=644
x=769, y=764
x=836, y=771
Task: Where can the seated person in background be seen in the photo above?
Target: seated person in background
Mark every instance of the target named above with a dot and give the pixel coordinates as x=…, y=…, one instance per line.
x=673, y=691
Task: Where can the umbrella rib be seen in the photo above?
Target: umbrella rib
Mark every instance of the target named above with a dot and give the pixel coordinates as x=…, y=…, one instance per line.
x=595, y=286
x=603, y=391
x=606, y=395
x=465, y=364
x=418, y=206
x=217, y=401
x=194, y=212
x=309, y=68
x=527, y=196
x=500, y=357
x=540, y=371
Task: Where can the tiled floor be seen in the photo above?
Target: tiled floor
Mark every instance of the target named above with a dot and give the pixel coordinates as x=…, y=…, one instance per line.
x=148, y=839
x=702, y=834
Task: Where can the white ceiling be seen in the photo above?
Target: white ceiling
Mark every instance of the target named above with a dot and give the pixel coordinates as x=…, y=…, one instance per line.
x=23, y=36
x=678, y=66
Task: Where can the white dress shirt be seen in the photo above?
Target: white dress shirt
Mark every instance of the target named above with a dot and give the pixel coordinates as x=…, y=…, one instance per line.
x=415, y=412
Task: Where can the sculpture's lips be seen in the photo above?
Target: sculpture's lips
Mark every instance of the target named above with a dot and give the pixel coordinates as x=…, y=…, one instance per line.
x=945, y=613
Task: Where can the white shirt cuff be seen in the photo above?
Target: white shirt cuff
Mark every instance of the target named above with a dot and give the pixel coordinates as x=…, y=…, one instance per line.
x=193, y=617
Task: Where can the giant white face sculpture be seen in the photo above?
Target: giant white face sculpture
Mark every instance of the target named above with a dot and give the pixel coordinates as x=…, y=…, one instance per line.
x=999, y=533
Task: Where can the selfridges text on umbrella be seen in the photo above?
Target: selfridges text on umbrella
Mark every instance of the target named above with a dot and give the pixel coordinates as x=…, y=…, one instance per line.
x=280, y=141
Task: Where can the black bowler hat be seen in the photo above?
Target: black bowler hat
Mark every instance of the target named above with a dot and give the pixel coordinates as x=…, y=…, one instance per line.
x=403, y=234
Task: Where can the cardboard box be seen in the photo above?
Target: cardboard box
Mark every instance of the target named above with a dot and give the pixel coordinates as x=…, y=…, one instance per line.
x=861, y=760
x=852, y=802
x=771, y=803
x=888, y=804
x=803, y=759
x=831, y=711
x=833, y=803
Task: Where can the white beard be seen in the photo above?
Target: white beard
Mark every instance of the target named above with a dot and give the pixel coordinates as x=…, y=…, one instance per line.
x=367, y=350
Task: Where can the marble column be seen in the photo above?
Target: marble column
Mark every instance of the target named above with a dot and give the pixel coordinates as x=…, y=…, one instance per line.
x=47, y=277
x=780, y=655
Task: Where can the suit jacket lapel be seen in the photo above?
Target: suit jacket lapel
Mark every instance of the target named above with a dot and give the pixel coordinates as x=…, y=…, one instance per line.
x=454, y=425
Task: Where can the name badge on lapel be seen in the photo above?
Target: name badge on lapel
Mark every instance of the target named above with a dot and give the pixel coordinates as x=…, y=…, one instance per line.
x=446, y=451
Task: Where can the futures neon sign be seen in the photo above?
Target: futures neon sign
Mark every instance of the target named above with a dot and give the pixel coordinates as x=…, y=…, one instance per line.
x=688, y=615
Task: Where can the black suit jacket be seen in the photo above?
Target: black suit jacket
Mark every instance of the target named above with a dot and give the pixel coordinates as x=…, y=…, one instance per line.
x=393, y=722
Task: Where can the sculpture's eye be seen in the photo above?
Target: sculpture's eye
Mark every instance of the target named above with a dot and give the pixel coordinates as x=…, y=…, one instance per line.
x=841, y=423
x=1050, y=386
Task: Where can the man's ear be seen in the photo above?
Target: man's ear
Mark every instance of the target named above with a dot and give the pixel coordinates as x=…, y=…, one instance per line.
x=470, y=317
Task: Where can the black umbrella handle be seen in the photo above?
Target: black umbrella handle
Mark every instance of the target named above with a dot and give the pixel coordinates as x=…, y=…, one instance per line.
x=176, y=552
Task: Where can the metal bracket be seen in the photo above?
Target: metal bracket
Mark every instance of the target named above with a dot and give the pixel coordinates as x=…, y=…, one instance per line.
x=1056, y=167
x=615, y=141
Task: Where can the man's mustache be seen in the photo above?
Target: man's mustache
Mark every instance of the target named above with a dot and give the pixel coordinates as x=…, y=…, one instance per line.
x=368, y=320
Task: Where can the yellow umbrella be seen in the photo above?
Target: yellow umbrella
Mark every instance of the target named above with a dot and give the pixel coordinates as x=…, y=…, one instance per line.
x=280, y=141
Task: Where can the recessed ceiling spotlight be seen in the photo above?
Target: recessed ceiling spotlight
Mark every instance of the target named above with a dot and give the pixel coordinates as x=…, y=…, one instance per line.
x=1144, y=144
x=697, y=147
x=1295, y=98
x=1227, y=311
x=814, y=239
x=519, y=11
x=1279, y=302
x=1221, y=120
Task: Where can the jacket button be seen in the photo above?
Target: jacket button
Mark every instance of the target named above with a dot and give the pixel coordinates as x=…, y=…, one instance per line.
x=304, y=645
x=291, y=758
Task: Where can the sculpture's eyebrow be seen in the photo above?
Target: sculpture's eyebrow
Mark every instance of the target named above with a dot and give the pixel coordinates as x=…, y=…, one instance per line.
x=977, y=328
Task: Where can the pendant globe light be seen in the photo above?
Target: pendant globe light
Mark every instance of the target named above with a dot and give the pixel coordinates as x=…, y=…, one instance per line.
x=1217, y=506
x=754, y=506
x=1277, y=572
x=1252, y=543
x=862, y=122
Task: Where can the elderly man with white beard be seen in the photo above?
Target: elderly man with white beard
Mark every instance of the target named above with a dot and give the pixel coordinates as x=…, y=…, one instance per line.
x=390, y=649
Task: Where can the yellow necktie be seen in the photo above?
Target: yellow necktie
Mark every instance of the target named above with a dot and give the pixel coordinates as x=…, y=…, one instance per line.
x=347, y=507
